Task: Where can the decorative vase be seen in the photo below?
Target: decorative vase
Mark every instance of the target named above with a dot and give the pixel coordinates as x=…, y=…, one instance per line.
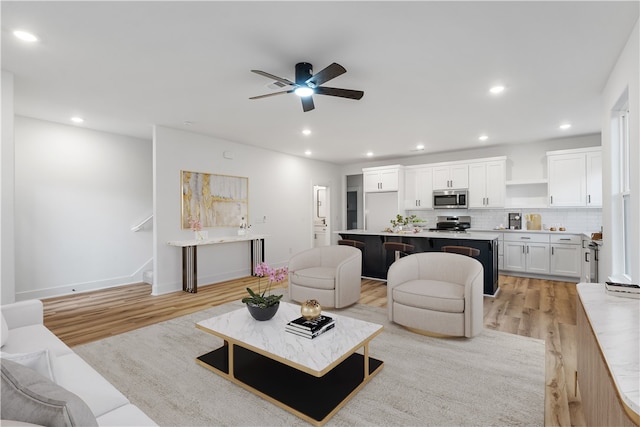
x=263, y=313
x=310, y=309
x=201, y=235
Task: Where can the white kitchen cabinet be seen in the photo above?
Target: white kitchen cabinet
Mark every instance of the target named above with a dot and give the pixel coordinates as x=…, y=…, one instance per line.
x=447, y=177
x=381, y=179
x=418, y=188
x=594, y=178
x=487, y=186
x=566, y=255
x=526, y=252
x=573, y=174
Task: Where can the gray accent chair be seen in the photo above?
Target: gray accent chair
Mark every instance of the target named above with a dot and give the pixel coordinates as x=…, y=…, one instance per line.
x=329, y=274
x=436, y=293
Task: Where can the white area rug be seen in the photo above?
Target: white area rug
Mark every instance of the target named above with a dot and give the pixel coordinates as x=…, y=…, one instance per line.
x=494, y=379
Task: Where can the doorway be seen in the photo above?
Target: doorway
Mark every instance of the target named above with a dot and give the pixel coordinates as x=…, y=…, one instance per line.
x=321, y=215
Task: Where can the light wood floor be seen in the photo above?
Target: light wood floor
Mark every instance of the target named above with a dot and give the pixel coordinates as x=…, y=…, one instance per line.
x=530, y=307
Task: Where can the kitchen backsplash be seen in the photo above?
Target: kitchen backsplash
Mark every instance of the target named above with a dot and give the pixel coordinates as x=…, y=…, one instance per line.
x=578, y=220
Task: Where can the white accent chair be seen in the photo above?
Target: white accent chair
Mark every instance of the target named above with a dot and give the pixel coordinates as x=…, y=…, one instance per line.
x=437, y=293
x=329, y=274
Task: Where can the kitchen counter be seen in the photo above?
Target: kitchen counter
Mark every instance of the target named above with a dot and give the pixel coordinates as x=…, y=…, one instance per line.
x=506, y=230
x=608, y=338
x=469, y=235
x=376, y=260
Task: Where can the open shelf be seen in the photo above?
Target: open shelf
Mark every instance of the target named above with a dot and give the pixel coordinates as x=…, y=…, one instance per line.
x=527, y=194
x=516, y=182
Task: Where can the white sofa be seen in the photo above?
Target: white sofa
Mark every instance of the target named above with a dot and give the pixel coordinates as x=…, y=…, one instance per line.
x=24, y=337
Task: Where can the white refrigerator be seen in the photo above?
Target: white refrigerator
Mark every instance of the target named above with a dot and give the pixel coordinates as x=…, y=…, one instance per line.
x=379, y=210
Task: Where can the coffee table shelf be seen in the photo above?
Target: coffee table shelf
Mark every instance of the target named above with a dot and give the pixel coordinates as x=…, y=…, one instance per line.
x=313, y=386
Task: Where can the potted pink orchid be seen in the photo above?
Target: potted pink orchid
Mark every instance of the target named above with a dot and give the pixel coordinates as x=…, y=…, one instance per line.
x=262, y=305
x=196, y=227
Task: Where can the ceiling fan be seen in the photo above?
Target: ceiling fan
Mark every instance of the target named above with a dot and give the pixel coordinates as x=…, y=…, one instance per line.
x=307, y=84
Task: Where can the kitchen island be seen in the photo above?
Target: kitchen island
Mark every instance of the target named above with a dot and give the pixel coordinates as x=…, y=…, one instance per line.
x=376, y=261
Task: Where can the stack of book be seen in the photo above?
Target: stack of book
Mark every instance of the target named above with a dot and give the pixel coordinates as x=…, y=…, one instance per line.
x=310, y=328
x=623, y=289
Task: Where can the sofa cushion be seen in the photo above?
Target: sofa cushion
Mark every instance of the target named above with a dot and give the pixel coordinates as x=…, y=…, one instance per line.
x=4, y=330
x=29, y=397
x=77, y=376
x=431, y=295
x=40, y=361
x=315, y=277
x=28, y=339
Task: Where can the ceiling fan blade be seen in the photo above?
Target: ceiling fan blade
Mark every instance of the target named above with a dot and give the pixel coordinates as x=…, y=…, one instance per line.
x=307, y=103
x=276, y=78
x=343, y=93
x=272, y=94
x=332, y=71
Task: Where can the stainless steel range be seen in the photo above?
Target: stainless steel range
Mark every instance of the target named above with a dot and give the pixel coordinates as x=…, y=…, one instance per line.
x=452, y=224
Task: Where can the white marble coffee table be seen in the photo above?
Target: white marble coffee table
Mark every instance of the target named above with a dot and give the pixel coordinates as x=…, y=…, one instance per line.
x=312, y=379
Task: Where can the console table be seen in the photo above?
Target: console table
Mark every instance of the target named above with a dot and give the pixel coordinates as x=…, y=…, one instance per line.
x=189, y=255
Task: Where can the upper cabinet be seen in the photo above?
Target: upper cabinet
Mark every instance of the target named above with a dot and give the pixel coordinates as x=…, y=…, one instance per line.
x=380, y=179
x=487, y=184
x=594, y=178
x=575, y=178
x=448, y=177
x=418, y=188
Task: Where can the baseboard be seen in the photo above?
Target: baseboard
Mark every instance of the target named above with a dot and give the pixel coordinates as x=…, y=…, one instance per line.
x=135, y=277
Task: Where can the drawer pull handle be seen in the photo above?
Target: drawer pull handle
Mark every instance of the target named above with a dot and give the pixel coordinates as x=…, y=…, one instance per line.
x=526, y=238
x=566, y=239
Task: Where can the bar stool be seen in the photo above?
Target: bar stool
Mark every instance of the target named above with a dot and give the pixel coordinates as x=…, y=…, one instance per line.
x=400, y=249
x=355, y=243
x=462, y=250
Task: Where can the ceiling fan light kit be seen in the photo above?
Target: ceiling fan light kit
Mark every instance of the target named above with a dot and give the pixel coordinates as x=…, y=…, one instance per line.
x=307, y=84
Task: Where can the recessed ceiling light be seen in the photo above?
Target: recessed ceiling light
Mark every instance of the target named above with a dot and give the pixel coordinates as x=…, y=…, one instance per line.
x=420, y=147
x=25, y=36
x=483, y=137
x=369, y=153
x=565, y=126
x=77, y=119
x=308, y=152
x=496, y=90
x=306, y=132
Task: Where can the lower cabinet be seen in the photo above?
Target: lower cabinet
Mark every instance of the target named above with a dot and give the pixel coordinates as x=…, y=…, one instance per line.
x=526, y=252
x=543, y=253
x=566, y=255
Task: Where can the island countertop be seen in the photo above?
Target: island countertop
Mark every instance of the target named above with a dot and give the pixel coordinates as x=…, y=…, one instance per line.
x=615, y=323
x=470, y=235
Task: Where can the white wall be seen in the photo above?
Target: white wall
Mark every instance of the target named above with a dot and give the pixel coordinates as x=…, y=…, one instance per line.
x=625, y=77
x=7, y=249
x=78, y=192
x=280, y=189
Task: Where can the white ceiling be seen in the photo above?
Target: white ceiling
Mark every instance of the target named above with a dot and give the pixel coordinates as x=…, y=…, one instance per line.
x=425, y=68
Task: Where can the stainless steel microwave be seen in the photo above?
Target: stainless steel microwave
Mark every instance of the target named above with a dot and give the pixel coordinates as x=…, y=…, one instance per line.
x=450, y=199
